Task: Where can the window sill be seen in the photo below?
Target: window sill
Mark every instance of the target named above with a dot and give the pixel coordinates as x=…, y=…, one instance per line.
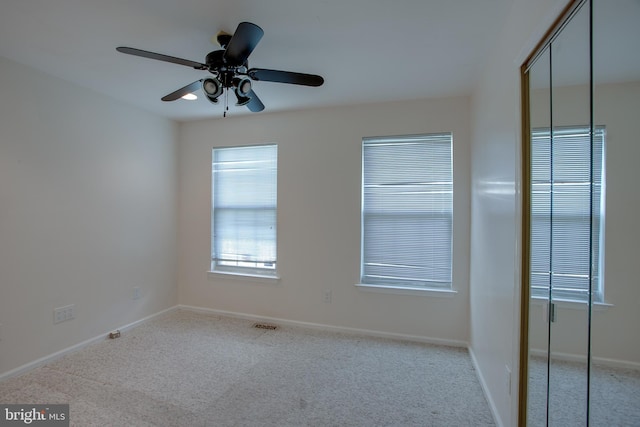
x=407, y=290
x=239, y=275
x=576, y=305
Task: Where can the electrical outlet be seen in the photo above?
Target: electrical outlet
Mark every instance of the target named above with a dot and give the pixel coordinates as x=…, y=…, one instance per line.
x=58, y=315
x=136, y=292
x=327, y=296
x=61, y=314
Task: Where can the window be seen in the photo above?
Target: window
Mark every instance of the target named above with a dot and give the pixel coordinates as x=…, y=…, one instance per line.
x=243, y=214
x=407, y=211
x=567, y=208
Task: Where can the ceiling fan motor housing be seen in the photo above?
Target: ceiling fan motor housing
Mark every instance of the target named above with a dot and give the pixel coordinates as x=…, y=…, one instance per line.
x=219, y=66
x=215, y=60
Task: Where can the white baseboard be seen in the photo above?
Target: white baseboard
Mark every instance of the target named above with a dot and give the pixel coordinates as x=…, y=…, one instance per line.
x=320, y=326
x=578, y=358
x=368, y=332
x=58, y=354
x=485, y=389
x=615, y=363
x=54, y=356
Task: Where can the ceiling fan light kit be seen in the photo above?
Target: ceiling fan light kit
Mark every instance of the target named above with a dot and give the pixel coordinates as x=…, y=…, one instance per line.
x=230, y=69
x=242, y=85
x=212, y=89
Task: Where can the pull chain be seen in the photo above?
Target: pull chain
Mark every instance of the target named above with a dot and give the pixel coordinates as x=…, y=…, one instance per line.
x=226, y=103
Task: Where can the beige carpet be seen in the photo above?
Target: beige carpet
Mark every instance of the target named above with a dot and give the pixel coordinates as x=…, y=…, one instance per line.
x=193, y=369
x=614, y=400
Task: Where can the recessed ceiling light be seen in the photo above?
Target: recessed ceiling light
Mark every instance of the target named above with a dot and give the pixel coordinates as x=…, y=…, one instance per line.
x=190, y=97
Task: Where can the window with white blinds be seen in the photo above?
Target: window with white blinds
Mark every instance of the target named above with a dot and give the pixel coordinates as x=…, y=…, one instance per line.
x=243, y=214
x=407, y=211
x=567, y=205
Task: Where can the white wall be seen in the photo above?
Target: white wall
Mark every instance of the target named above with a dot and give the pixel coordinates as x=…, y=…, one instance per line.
x=319, y=175
x=615, y=333
x=615, y=337
x=87, y=212
x=495, y=211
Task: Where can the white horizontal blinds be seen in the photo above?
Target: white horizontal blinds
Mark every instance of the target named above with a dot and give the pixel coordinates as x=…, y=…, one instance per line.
x=566, y=212
x=244, y=206
x=407, y=209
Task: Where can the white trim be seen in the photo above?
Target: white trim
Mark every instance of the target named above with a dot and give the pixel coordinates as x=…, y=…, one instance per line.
x=485, y=389
x=574, y=305
x=240, y=275
x=76, y=347
x=564, y=357
x=368, y=332
x=616, y=363
x=580, y=358
x=407, y=290
x=330, y=328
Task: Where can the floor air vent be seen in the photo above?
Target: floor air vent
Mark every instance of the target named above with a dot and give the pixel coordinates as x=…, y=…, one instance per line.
x=265, y=326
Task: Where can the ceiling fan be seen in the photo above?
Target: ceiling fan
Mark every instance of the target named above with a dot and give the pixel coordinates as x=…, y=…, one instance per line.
x=230, y=69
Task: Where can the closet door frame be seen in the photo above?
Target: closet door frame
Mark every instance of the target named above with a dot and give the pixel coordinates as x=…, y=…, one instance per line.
x=525, y=271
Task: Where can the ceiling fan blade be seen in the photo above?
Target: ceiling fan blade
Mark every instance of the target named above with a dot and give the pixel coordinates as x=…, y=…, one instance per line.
x=242, y=43
x=161, y=57
x=192, y=87
x=255, y=105
x=261, y=74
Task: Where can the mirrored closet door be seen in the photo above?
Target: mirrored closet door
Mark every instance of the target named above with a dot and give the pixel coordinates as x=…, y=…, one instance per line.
x=580, y=328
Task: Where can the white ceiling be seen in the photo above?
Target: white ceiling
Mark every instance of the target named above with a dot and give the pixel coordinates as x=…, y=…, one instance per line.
x=366, y=50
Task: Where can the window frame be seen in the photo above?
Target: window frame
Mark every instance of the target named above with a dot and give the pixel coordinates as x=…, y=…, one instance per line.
x=250, y=268
x=574, y=295
x=443, y=287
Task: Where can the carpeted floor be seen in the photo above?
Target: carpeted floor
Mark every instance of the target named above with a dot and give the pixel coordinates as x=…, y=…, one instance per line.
x=193, y=369
x=614, y=400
